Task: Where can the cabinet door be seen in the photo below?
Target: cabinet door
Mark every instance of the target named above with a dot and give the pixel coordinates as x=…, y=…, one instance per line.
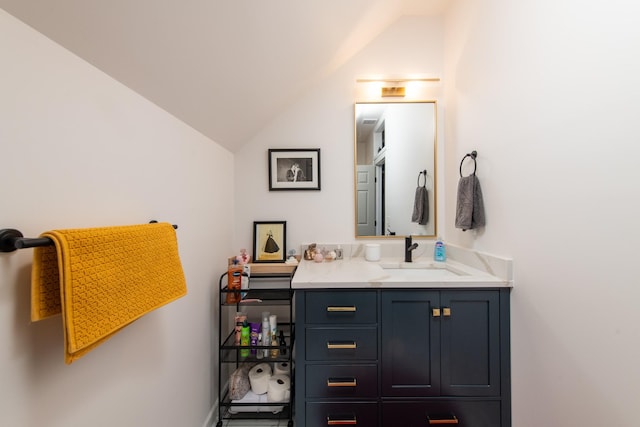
x=470, y=343
x=410, y=337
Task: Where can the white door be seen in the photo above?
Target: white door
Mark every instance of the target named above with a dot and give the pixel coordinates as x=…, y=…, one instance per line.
x=365, y=198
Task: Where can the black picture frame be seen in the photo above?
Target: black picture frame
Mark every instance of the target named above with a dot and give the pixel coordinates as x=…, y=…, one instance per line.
x=294, y=169
x=269, y=241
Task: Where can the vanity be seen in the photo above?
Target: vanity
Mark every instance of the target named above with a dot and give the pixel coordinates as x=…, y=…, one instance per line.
x=396, y=344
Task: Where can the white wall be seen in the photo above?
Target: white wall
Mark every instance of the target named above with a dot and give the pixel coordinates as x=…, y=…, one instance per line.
x=79, y=149
x=546, y=91
x=324, y=118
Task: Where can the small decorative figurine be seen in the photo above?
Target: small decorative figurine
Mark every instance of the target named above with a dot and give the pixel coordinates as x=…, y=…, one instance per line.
x=310, y=252
x=292, y=257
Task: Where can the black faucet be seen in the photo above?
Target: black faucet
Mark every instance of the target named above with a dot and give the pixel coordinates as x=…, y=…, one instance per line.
x=408, y=247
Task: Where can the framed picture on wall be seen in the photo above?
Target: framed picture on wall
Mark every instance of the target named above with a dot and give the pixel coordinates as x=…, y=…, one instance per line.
x=269, y=241
x=294, y=169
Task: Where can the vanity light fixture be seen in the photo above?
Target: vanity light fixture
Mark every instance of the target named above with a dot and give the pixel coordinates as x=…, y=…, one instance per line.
x=397, y=91
x=396, y=87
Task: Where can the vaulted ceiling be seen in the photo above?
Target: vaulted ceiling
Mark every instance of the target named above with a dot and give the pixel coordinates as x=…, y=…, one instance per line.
x=225, y=67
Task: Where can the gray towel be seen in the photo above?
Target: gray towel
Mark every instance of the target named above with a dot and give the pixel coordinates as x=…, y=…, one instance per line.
x=421, y=206
x=470, y=206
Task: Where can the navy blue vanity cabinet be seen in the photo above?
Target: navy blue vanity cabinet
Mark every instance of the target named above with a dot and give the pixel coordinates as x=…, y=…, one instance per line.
x=445, y=357
x=337, y=358
x=403, y=357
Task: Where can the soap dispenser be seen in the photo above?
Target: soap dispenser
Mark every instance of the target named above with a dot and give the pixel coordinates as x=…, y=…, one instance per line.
x=439, y=251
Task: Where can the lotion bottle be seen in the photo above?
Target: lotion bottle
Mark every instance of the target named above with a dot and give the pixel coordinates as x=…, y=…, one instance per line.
x=234, y=282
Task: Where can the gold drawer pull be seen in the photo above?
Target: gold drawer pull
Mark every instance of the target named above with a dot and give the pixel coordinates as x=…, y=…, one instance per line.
x=451, y=419
x=332, y=309
x=446, y=311
x=341, y=382
x=342, y=345
x=349, y=420
x=435, y=312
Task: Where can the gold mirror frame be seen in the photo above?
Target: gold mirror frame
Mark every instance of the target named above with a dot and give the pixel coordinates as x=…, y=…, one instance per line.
x=410, y=158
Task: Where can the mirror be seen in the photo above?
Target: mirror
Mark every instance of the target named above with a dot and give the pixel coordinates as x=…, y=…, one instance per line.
x=395, y=143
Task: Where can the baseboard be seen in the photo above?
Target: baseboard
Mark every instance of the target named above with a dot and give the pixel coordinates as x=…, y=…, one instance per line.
x=210, y=421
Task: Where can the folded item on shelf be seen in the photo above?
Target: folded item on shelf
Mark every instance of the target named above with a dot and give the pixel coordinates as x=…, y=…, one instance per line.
x=239, y=383
x=252, y=402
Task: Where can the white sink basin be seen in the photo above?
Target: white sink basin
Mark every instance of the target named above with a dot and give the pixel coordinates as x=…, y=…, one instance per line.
x=416, y=273
x=420, y=270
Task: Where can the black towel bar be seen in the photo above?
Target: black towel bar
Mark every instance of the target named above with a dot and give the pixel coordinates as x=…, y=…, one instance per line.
x=12, y=239
x=473, y=156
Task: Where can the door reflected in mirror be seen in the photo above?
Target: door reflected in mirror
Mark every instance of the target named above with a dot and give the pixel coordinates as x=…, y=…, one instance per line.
x=395, y=143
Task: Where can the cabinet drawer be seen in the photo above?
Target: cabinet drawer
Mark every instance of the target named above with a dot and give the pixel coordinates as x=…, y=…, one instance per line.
x=363, y=414
x=342, y=344
x=443, y=413
x=331, y=381
x=348, y=307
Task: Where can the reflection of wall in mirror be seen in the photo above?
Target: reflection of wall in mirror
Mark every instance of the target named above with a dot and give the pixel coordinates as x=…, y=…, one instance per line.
x=407, y=155
x=365, y=150
x=370, y=119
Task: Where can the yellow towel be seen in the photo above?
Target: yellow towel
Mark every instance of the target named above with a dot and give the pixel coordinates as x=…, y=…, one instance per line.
x=102, y=279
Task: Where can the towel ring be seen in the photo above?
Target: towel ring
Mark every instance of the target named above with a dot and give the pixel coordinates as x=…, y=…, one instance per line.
x=473, y=156
x=425, y=178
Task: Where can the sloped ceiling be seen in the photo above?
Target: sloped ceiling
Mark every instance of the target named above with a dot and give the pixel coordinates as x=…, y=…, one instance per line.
x=225, y=67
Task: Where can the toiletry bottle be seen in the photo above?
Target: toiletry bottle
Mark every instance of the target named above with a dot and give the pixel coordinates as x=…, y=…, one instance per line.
x=273, y=329
x=240, y=318
x=440, y=251
x=234, y=282
x=244, y=339
x=283, y=344
x=266, y=333
x=253, y=337
x=244, y=284
x=260, y=353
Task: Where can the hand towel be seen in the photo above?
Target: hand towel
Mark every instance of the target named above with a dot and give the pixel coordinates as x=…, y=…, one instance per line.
x=102, y=279
x=421, y=206
x=470, y=205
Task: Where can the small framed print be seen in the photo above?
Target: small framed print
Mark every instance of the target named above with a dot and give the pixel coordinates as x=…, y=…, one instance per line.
x=294, y=169
x=269, y=241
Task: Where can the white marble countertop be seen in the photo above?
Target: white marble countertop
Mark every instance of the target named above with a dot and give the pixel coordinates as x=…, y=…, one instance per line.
x=478, y=270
